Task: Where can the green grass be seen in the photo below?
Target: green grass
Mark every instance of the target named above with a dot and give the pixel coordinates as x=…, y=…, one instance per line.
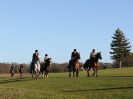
x=111, y=84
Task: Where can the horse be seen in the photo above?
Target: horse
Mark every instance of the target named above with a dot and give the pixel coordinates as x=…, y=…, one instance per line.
x=21, y=70
x=92, y=64
x=45, y=67
x=74, y=66
x=35, y=69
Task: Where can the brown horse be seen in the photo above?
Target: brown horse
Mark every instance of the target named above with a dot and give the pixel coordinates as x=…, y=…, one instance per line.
x=75, y=65
x=92, y=64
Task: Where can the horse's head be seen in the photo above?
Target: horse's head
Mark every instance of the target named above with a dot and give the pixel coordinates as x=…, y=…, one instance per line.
x=49, y=60
x=99, y=56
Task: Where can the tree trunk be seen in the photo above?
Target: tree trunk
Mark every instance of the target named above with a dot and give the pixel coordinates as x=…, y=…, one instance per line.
x=119, y=64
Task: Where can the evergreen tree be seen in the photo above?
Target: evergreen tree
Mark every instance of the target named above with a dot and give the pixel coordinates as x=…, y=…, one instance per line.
x=120, y=47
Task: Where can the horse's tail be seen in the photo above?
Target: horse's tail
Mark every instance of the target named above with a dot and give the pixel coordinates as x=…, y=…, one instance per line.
x=86, y=64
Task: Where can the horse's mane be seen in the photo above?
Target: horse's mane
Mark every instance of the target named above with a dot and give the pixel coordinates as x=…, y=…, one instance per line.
x=48, y=61
x=99, y=55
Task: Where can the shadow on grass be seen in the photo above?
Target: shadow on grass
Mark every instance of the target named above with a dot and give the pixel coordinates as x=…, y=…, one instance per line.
x=11, y=80
x=118, y=76
x=102, y=89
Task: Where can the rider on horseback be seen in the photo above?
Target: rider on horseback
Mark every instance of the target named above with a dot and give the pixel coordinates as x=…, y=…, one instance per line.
x=12, y=67
x=46, y=65
x=35, y=56
x=45, y=58
x=12, y=70
x=93, y=55
x=74, y=55
x=35, y=59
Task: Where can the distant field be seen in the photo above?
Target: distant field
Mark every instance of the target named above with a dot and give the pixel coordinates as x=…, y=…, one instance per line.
x=111, y=84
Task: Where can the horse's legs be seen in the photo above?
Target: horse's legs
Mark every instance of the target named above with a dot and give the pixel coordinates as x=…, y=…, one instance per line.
x=32, y=74
x=42, y=74
x=46, y=74
x=94, y=71
x=37, y=70
x=88, y=74
x=12, y=74
x=20, y=75
x=73, y=72
x=37, y=74
x=88, y=69
x=69, y=73
x=70, y=70
x=77, y=72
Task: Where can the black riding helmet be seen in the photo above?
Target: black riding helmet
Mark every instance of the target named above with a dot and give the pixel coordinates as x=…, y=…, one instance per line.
x=46, y=54
x=93, y=50
x=36, y=50
x=74, y=50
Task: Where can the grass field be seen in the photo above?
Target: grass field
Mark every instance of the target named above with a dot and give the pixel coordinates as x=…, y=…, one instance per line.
x=111, y=84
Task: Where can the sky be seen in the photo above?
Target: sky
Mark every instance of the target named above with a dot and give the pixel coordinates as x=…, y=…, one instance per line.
x=56, y=27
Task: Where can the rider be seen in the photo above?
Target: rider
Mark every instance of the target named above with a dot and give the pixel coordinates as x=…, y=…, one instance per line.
x=93, y=54
x=45, y=58
x=35, y=56
x=12, y=70
x=74, y=55
x=12, y=67
x=21, y=68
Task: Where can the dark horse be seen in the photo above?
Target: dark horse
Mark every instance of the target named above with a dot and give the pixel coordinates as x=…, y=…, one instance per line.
x=74, y=67
x=45, y=67
x=92, y=63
